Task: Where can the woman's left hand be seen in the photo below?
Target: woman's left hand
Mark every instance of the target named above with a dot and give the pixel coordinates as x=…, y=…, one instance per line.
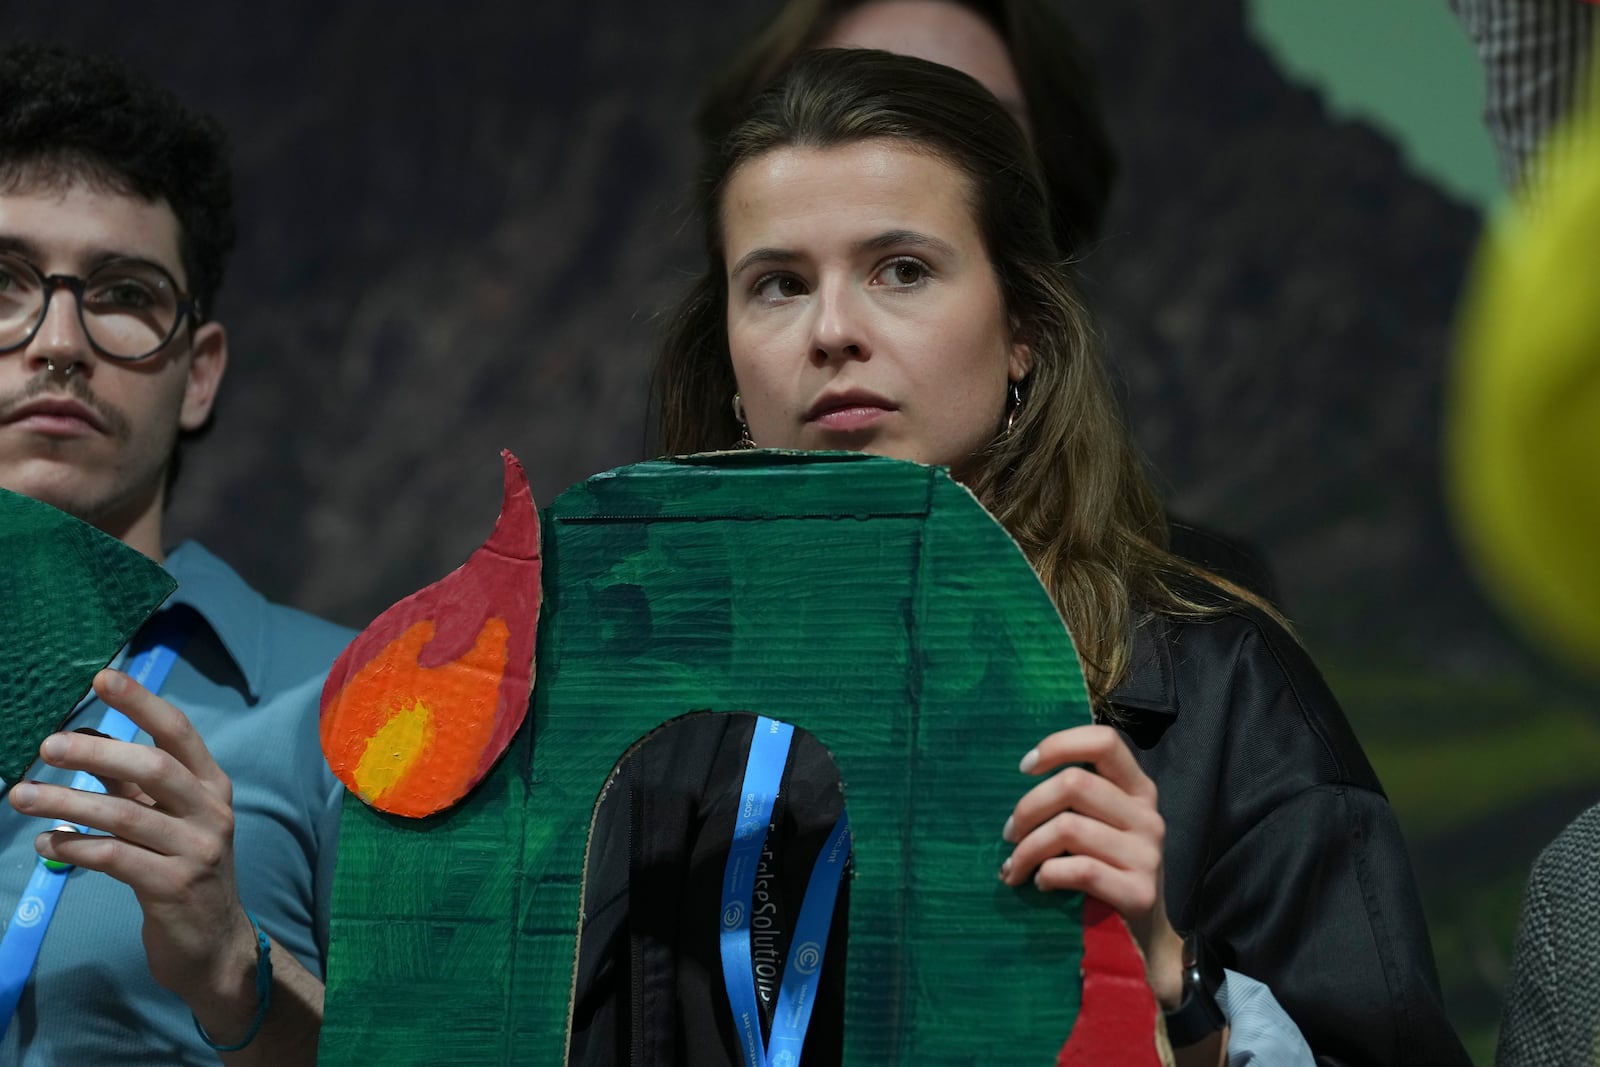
x=1101, y=834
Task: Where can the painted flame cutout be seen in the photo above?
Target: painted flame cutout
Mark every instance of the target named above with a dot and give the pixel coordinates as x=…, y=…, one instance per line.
x=1117, y=1019
x=427, y=698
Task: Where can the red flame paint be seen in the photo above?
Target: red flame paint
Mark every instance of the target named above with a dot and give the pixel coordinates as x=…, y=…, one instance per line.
x=423, y=702
x=1117, y=1017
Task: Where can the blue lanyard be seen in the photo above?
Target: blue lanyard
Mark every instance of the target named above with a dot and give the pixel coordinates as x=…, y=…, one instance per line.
x=19, y=949
x=763, y=775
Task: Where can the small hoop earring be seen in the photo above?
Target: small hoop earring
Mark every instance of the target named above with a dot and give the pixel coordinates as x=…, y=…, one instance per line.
x=745, y=440
x=1013, y=405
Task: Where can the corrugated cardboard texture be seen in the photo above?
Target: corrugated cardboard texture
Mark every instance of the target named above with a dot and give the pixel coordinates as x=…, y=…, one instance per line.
x=70, y=597
x=873, y=603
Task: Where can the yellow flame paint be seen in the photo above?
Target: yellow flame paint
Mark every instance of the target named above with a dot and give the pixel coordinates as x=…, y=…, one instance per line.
x=393, y=750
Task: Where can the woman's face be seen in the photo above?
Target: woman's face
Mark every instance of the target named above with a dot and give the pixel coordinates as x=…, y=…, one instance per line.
x=863, y=313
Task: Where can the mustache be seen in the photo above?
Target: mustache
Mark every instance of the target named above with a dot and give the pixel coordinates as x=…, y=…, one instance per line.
x=46, y=384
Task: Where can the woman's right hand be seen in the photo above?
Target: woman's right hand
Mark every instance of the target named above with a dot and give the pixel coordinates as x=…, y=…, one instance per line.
x=1099, y=833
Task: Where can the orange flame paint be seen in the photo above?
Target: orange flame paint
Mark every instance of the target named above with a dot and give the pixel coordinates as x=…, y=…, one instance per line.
x=422, y=703
x=395, y=745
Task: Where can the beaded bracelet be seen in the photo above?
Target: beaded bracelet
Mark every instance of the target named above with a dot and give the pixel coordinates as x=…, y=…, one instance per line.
x=263, y=993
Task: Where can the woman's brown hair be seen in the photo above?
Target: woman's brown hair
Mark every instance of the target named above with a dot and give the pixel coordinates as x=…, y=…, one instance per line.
x=1064, y=479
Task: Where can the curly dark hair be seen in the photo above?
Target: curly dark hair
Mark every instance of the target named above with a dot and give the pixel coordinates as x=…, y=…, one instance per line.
x=67, y=117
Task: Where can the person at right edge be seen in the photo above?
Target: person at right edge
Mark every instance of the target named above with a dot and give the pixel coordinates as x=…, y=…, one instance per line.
x=1523, y=433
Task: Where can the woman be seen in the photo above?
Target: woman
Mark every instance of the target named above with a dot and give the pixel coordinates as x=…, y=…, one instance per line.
x=882, y=278
x=1029, y=59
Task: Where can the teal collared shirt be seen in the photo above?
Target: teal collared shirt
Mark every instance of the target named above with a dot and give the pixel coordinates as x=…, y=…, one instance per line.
x=249, y=678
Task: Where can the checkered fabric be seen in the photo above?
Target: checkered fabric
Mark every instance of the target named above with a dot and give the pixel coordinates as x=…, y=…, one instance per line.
x=1535, y=54
x=1552, y=1010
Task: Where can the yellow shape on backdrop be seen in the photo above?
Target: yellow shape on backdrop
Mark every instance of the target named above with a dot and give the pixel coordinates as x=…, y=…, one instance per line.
x=1524, y=429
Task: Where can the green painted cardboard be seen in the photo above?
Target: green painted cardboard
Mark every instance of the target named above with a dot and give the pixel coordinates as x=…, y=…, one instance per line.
x=70, y=597
x=873, y=603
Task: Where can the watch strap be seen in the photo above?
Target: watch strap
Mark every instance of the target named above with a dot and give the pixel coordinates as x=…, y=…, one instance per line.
x=1198, y=1015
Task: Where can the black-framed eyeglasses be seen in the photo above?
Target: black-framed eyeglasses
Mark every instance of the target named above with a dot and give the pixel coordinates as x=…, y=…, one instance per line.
x=129, y=308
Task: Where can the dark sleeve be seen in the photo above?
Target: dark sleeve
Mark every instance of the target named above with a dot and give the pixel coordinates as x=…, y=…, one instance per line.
x=1282, y=851
x=1317, y=901
x=1530, y=1029
x=1552, y=1008
x=1310, y=889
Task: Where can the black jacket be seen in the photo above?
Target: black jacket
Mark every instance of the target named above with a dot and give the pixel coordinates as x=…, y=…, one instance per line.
x=1281, y=849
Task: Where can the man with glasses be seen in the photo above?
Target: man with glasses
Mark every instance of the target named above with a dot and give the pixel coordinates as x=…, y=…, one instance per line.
x=192, y=916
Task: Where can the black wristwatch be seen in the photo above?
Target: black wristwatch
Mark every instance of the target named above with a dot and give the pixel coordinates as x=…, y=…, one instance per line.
x=1197, y=1015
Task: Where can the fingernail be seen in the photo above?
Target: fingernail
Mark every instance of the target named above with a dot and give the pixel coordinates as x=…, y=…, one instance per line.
x=1005, y=869
x=54, y=747
x=24, y=794
x=1028, y=761
x=43, y=842
x=1005, y=831
x=115, y=680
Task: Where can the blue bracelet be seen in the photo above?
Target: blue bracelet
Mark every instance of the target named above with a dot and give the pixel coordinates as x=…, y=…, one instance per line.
x=263, y=993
